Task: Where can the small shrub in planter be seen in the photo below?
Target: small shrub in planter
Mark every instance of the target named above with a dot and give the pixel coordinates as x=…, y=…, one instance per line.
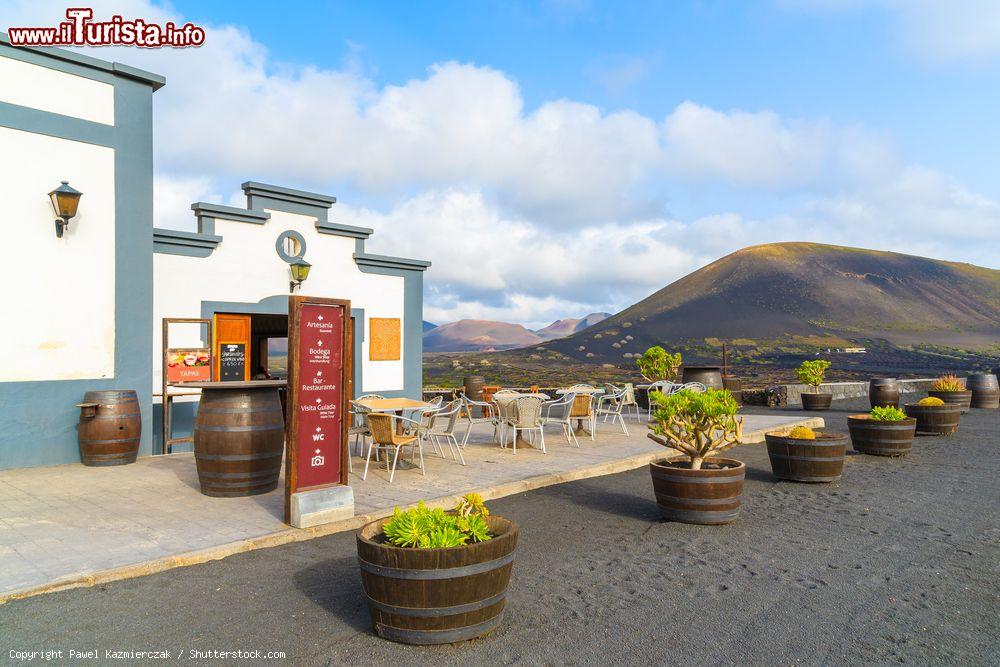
x=698, y=487
x=811, y=373
x=885, y=431
x=802, y=455
x=436, y=577
x=934, y=416
x=951, y=389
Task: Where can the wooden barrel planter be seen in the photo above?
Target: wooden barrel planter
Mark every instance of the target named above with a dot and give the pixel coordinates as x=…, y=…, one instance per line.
x=109, y=428
x=473, y=387
x=881, y=438
x=800, y=460
x=436, y=596
x=963, y=399
x=883, y=392
x=239, y=440
x=710, y=376
x=934, y=419
x=816, y=401
x=985, y=391
x=708, y=496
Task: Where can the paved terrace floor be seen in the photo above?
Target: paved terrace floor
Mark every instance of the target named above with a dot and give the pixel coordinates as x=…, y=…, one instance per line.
x=67, y=526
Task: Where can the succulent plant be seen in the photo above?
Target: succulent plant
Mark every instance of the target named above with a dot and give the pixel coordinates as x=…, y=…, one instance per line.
x=887, y=413
x=811, y=372
x=697, y=424
x=948, y=383
x=930, y=400
x=802, y=433
x=657, y=364
x=426, y=528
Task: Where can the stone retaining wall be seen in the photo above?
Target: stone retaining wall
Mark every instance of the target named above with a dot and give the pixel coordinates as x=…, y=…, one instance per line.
x=791, y=394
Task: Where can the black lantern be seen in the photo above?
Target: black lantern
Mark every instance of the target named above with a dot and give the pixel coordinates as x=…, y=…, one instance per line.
x=65, y=200
x=300, y=271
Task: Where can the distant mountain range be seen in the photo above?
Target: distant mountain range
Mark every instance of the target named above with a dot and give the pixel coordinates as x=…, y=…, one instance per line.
x=789, y=293
x=478, y=335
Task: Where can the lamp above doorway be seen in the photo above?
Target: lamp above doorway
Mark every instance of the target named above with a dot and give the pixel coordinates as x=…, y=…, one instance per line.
x=65, y=200
x=300, y=271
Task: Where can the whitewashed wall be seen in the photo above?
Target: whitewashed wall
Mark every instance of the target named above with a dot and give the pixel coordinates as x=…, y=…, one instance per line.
x=59, y=294
x=246, y=268
x=46, y=89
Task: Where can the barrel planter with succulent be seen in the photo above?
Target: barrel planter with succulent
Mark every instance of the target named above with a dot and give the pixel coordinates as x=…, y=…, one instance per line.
x=811, y=373
x=697, y=487
x=934, y=416
x=436, y=577
x=882, y=432
x=803, y=455
x=951, y=389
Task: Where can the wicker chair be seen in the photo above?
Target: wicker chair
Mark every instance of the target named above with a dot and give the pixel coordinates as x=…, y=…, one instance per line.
x=583, y=409
x=558, y=412
x=524, y=414
x=359, y=427
x=629, y=400
x=385, y=437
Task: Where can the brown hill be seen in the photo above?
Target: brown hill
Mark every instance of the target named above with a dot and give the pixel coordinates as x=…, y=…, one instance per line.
x=826, y=294
x=571, y=325
x=469, y=335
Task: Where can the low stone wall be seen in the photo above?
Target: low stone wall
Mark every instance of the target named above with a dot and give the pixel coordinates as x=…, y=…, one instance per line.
x=791, y=394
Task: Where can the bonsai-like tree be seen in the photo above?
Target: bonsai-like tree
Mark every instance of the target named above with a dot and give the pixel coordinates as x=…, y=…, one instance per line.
x=696, y=424
x=657, y=364
x=811, y=373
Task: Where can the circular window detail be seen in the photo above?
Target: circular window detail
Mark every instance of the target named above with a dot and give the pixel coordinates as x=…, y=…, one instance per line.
x=290, y=246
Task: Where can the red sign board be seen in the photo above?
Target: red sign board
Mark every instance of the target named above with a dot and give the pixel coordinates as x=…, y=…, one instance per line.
x=189, y=365
x=320, y=367
x=319, y=376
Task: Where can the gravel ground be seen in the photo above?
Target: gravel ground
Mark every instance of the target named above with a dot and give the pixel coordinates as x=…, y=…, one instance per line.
x=897, y=562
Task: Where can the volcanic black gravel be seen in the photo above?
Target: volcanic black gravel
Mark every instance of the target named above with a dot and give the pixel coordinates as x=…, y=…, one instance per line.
x=897, y=562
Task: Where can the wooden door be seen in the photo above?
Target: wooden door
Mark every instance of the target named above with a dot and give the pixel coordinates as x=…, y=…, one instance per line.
x=232, y=347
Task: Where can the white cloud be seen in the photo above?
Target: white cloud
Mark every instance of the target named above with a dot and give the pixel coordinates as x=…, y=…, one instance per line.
x=529, y=215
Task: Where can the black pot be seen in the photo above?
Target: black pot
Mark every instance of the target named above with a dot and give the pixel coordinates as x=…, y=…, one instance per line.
x=710, y=376
x=816, y=401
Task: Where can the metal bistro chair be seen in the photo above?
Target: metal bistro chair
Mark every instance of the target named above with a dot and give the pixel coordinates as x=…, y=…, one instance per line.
x=524, y=414
x=693, y=386
x=664, y=387
x=558, y=412
x=385, y=437
x=487, y=414
x=443, y=426
x=629, y=400
x=610, y=391
x=613, y=408
x=505, y=411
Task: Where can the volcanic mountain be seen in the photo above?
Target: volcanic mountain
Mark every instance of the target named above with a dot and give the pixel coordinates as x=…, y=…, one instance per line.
x=799, y=292
x=468, y=335
x=571, y=325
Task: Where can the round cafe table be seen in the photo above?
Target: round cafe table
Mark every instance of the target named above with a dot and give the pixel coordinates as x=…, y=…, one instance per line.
x=580, y=430
x=509, y=398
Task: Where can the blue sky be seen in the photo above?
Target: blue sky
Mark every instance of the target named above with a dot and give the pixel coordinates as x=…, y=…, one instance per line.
x=581, y=155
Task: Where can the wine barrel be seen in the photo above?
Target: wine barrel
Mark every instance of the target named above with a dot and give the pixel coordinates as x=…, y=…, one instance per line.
x=710, y=376
x=707, y=496
x=816, y=401
x=735, y=387
x=883, y=392
x=110, y=436
x=239, y=439
x=935, y=419
x=963, y=399
x=985, y=390
x=819, y=460
x=473, y=387
x=436, y=596
x=881, y=438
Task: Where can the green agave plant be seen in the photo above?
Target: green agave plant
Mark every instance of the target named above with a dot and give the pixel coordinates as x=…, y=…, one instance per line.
x=888, y=413
x=425, y=528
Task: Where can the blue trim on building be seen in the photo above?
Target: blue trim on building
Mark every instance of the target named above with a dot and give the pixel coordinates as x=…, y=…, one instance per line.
x=217, y=211
x=38, y=419
x=189, y=244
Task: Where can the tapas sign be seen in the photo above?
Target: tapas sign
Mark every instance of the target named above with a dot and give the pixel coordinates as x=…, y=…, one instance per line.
x=319, y=377
x=193, y=365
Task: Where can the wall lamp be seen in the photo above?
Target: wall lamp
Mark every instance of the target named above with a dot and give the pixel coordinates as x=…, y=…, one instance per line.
x=300, y=271
x=65, y=200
